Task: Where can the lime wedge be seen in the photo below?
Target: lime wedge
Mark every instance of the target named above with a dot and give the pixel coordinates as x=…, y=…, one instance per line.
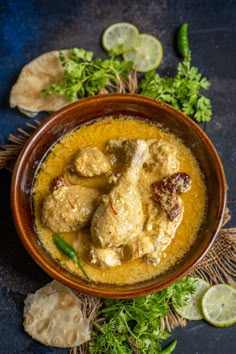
x=121, y=35
x=219, y=305
x=147, y=54
x=192, y=310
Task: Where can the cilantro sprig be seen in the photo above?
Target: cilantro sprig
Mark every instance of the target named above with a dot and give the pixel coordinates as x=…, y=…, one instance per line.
x=86, y=76
x=134, y=325
x=182, y=91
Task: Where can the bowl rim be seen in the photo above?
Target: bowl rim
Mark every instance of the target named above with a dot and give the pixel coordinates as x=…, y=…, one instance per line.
x=85, y=288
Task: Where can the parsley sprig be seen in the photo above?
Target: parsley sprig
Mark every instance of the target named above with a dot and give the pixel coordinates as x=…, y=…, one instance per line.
x=134, y=325
x=182, y=91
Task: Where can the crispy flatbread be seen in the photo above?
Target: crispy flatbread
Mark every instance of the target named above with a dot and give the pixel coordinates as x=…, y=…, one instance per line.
x=53, y=317
x=40, y=73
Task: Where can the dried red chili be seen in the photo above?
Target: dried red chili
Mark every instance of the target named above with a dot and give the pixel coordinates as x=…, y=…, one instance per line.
x=166, y=191
x=57, y=182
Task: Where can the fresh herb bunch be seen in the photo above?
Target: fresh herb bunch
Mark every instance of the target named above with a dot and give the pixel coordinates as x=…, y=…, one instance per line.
x=134, y=325
x=182, y=91
x=85, y=76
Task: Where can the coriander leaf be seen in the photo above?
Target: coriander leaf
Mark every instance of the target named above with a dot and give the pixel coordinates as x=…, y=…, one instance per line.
x=181, y=290
x=134, y=325
x=203, y=109
x=79, y=53
x=85, y=76
x=118, y=50
x=182, y=91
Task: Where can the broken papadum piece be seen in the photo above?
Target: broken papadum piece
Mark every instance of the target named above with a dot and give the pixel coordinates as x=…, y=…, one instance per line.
x=40, y=73
x=53, y=317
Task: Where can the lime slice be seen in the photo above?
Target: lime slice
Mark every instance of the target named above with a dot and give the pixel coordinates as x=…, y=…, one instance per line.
x=122, y=34
x=192, y=310
x=147, y=54
x=219, y=305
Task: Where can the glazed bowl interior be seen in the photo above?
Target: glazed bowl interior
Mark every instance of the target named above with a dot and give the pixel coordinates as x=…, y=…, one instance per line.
x=83, y=112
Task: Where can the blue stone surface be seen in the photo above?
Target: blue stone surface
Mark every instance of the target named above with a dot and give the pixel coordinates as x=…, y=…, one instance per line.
x=30, y=28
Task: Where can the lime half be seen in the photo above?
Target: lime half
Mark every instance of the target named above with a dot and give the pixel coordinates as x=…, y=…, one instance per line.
x=147, y=54
x=121, y=35
x=192, y=309
x=219, y=305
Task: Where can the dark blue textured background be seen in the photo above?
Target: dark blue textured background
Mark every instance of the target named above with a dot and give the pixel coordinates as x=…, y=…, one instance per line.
x=30, y=28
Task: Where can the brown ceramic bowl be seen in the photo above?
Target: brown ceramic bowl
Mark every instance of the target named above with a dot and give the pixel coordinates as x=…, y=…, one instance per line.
x=87, y=110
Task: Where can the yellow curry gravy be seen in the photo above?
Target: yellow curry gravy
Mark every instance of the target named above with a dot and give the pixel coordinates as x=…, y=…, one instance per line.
x=97, y=134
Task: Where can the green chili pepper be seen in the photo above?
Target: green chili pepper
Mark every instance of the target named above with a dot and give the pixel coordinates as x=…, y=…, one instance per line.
x=182, y=40
x=69, y=251
x=170, y=348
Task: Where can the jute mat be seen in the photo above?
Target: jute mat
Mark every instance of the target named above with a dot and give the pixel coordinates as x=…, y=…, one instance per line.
x=218, y=265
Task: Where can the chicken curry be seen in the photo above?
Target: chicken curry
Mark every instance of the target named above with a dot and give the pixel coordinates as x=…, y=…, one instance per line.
x=123, y=193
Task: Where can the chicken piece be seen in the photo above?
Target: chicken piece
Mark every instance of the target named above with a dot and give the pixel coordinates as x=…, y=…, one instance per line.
x=106, y=257
x=158, y=233
x=166, y=230
x=162, y=158
x=69, y=208
x=90, y=161
x=139, y=247
x=159, y=229
x=119, y=216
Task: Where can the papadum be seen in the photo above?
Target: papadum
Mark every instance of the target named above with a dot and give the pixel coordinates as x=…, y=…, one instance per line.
x=53, y=317
x=40, y=73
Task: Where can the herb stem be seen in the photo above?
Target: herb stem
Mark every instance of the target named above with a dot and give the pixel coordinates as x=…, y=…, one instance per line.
x=95, y=324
